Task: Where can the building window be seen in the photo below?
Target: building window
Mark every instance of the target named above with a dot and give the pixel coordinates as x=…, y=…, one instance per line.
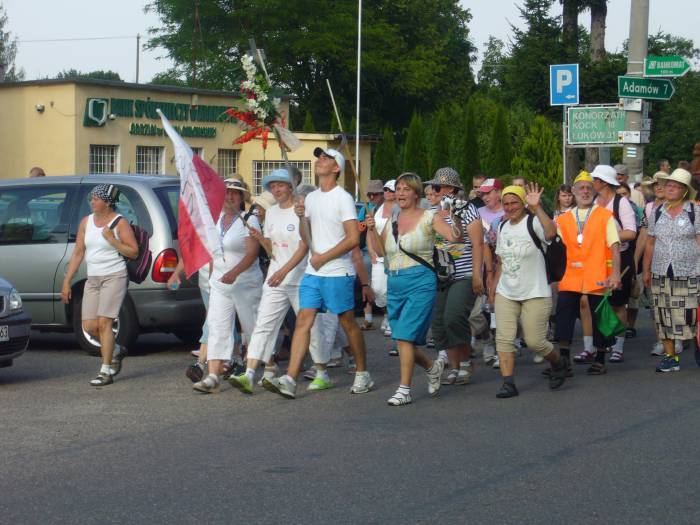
x=149, y=160
x=103, y=159
x=198, y=151
x=227, y=162
x=264, y=167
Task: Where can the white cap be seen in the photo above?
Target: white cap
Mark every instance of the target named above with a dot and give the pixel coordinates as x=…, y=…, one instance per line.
x=390, y=185
x=338, y=156
x=606, y=174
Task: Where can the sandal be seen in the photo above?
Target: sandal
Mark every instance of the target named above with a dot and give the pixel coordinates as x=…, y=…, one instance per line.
x=616, y=357
x=450, y=378
x=102, y=379
x=584, y=358
x=597, y=369
x=399, y=399
x=117, y=359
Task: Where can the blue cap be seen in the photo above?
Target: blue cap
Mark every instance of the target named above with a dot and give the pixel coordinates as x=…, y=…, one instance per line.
x=278, y=175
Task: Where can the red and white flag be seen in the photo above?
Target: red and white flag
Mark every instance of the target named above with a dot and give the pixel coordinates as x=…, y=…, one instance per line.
x=202, y=194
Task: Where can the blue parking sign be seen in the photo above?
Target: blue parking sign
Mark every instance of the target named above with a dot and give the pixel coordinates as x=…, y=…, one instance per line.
x=563, y=84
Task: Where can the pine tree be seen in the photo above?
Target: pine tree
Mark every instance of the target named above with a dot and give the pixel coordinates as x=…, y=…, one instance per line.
x=540, y=157
x=415, y=152
x=385, y=159
x=440, y=143
x=469, y=164
x=500, y=149
x=309, y=123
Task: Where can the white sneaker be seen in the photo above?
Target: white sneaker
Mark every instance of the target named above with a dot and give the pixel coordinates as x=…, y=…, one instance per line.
x=489, y=353
x=434, y=375
x=658, y=349
x=537, y=359
x=387, y=331
x=363, y=383
x=400, y=399
x=281, y=386
x=678, y=346
x=496, y=363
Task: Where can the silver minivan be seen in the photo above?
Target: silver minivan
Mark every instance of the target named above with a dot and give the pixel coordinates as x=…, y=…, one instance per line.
x=39, y=220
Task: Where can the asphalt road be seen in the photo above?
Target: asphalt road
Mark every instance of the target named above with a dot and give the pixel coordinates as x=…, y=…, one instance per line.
x=613, y=449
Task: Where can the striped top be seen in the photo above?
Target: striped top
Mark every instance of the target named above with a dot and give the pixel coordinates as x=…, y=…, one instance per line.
x=461, y=252
x=419, y=241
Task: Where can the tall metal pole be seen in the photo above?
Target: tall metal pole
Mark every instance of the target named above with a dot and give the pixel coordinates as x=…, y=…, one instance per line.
x=138, y=53
x=357, y=101
x=563, y=141
x=633, y=155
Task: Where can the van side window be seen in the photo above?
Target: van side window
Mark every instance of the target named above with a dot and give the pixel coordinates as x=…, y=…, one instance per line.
x=35, y=214
x=129, y=204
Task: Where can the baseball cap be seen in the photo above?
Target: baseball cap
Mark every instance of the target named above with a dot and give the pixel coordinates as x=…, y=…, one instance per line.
x=489, y=185
x=390, y=185
x=330, y=152
x=605, y=173
x=620, y=169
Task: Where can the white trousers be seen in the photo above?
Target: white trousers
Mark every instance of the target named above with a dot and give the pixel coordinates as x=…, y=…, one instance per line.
x=271, y=313
x=333, y=338
x=226, y=302
x=379, y=283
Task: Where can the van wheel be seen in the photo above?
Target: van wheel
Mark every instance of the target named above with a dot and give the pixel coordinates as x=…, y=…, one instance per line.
x=126, y=327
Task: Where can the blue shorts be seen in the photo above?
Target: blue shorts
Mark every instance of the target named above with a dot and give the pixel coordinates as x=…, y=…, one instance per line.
x=327, y=294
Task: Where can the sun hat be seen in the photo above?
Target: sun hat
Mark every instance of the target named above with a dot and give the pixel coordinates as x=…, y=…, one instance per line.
x=330, y=152
x=265, y=200
x=684, y=177
x=375, y=186
x=445, y=177
x=235, y=184
x=278, y=175
x=518, y=191
x=620, y=169
x=390, y=185
x=605, y=173
x=584, y=176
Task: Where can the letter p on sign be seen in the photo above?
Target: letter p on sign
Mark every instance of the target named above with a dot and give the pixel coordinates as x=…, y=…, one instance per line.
x=563, y=84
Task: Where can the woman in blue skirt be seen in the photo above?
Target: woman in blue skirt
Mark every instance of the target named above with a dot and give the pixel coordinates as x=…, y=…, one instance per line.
x=407, y=243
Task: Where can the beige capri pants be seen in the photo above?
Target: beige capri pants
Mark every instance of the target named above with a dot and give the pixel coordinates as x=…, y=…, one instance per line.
x=533, y=315
x=103, y=295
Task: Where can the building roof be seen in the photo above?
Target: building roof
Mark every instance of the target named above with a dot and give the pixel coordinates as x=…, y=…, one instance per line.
x=123, y=85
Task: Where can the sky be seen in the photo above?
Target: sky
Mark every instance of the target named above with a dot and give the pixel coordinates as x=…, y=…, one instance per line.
x=31, y=20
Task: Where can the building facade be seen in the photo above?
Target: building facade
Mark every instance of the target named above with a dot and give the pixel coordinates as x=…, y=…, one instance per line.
x=76, y=127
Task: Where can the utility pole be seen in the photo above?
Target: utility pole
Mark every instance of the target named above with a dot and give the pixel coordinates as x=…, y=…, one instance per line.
x=633, y=155
x=138, y=52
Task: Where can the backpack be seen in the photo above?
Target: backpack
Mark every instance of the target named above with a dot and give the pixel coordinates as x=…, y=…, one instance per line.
x=263, y=257
x=554, y=255
x=691, y=213
x=139, y=267
x=443, y=264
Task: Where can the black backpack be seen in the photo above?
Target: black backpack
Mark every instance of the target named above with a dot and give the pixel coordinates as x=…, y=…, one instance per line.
x=691, y=213
x=139, y=267
x=554, y=255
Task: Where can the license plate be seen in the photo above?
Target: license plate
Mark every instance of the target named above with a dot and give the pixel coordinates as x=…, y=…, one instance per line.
x=4, y=333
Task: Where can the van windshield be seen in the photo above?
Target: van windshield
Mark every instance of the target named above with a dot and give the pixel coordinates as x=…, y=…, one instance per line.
x=169, y=197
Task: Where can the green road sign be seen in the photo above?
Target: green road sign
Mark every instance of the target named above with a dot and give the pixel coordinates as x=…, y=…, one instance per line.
x=595, y=124
x=650, y=88
x=670, y=66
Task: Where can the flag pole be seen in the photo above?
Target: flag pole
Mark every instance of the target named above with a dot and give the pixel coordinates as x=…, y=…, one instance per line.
x=357, y=101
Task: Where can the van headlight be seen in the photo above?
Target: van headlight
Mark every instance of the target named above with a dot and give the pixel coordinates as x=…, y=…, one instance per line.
x=15, y=300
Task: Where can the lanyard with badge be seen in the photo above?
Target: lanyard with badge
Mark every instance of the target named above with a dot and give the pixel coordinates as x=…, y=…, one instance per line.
x=223, y=231
x=581, y=225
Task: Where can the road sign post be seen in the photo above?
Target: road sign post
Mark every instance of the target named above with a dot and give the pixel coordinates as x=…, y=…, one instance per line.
x=665, y=66
x=648, y=88
x=563, y=91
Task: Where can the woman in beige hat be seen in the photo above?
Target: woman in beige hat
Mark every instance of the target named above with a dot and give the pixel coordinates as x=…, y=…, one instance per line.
x=672, y=267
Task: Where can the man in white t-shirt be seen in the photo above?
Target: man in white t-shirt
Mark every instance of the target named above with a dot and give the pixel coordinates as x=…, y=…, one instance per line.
x=328, y=284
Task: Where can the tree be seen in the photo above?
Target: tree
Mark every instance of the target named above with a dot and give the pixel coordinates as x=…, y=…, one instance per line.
x=385, y=159
x=9, y=72
x=415, y=152
x=540, y=157
x=99, y=75
x=440, y=143
x=470, y=164
x=309, y=41
x=492, y=64
x=309, y=123
x=569, y=28
x=500, y=151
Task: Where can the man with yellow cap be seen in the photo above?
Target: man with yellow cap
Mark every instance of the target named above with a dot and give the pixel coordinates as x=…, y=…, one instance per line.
x=592, y=245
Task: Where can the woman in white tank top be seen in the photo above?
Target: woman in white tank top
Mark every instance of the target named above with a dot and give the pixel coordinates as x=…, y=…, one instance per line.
x=104, y=244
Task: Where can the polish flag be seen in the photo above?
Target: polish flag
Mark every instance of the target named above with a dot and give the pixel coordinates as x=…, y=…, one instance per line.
x=202, y=194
